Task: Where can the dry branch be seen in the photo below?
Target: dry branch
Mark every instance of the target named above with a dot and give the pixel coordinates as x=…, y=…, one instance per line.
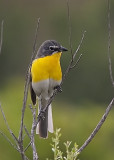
x=3, y=134
x=97, y=128
x=35, y=154
x=10, y=131
x=26, y=91
x=27, y=132
x=17, y=145
x=72, y=63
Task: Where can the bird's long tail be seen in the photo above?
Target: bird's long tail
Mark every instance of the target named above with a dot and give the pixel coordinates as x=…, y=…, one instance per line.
x=46, y=123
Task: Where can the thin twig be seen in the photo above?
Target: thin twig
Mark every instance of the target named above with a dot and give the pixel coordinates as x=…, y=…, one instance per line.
x=70, y=28
x=109, y=45
x=35, y=155
x=9, y=141
x=92, y=135
x=77, y=50
x=1, y=39
x=27, y=132
x=10, y=131
x=18, y=143
x=32, y=142
x=74, y=55
x=26, y=158
x=27, y=146
x=76, y=62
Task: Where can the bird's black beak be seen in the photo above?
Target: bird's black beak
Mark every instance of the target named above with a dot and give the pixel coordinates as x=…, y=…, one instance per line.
x=62, y=49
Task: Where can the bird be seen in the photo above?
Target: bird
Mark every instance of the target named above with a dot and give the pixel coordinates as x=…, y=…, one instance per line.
x=45, y=77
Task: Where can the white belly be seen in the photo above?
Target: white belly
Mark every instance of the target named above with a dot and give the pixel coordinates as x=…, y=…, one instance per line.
x=45, y=88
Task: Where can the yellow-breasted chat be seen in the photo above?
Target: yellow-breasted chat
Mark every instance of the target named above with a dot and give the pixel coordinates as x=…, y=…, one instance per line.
x=46, y=75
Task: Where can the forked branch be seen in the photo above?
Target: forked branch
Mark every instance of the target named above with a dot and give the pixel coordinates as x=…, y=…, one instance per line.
x=10, y=131
x=27, y=82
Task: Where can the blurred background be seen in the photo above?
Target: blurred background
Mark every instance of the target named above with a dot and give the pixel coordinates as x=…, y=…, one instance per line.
x=87, y=90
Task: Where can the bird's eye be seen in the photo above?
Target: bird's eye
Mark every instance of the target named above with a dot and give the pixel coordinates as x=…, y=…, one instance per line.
x=54, y=48
x=51, y=48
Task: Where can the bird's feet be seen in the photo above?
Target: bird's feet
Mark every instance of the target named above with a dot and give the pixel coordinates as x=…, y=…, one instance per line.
x=41, y=114
x=58, y=88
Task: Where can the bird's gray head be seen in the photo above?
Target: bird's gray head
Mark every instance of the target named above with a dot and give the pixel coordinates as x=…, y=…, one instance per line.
x=49, y=47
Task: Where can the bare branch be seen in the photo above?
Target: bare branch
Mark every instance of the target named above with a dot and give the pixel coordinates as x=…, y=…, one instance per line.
x=35, y=155
x=70, y=28
x=92, y=135
x=27, y=132
x=27, y=146
x=77, y=50
x=26, y=158
x=32, y=141
x=22, y=152
x=10, y=131
x=29, y=138
x=19, y=147
x=109, y=45
x=74, y=55
x=1, y=39
x=9, y=141
x=76, y=62
x=27, y=82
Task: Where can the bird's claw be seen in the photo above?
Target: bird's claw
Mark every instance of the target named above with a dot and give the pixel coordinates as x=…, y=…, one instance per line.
x=58, y=88
x=41, y=114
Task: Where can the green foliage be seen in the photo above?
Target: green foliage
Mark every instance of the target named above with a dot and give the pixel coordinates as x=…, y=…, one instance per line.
x=58, y=154
x=71, y=154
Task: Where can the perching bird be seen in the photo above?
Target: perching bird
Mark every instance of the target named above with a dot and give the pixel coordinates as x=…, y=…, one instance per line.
x=46, y=75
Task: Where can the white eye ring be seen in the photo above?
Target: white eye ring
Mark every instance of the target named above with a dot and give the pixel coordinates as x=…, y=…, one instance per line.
x=53, y=47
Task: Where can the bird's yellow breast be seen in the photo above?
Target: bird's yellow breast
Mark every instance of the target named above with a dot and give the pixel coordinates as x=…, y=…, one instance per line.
x=47, y=67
